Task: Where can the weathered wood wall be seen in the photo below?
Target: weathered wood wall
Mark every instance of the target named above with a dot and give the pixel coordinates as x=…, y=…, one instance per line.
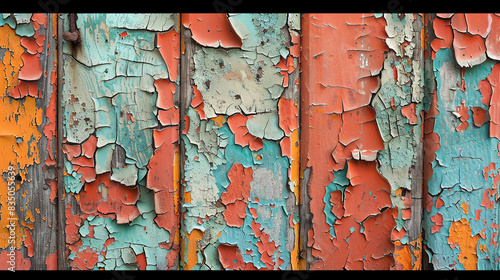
x=249, y=141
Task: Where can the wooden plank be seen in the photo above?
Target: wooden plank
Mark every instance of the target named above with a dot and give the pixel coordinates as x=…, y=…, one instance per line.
x=120, y=118
x=240, y=136
x=28, y=210
x=460, y=220
x=361, y=140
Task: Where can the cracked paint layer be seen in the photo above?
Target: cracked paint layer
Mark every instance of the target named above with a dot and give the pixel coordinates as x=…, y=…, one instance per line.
x=399, y=114
x=240, y=141
x=461, y=205
x=399, y=130
x=120, y=97
x=27, y=216
x=348, y=198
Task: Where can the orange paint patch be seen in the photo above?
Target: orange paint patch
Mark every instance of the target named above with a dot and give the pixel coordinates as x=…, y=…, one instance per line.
x=469, y=49
x=85, y=259
x=479, y=24
x=25, y=88
x=164, y=178
x=438, y=223
x=460, y=234
x=192, y=238
x=492, y=42
x=51, y=261
x=32, y=69
x=444, y=35
x=465, y=208
x=20, y=262
x=288, y=115
x=402, y=257
x=124, y=34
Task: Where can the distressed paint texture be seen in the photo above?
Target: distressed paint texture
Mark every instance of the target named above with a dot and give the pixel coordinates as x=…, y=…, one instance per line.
x=188, y=141
x=120, y=142
x=350, y=201
x=27, y=142
x=398, y=105
x=240, y=137
x=461, y=202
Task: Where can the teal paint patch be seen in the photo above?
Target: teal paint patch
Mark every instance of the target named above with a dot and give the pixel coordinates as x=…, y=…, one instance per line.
x=457, y=176
x=339, y=183
x=262, y=33
x=109, y=92
x=271, y=194
x=72, y=181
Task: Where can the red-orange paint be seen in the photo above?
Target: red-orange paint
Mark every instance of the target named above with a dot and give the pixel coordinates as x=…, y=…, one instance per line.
x=211, y=30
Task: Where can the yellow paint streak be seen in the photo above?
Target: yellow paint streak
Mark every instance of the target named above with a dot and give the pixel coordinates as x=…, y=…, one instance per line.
x=54, y=25
x=192, y=239
x=460, y=234
x=294, y=255
x=295, y=165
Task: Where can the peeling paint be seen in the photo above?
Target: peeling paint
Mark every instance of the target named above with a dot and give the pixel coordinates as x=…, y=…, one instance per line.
x=461, y=187
x=343, y=168
x=237, y=201
x=121, y=122
x=250, y=142
x=26, y=116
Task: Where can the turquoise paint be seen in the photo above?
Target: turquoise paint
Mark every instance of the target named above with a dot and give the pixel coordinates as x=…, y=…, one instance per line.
x=262, y=33
x=457, y=171
x=266, y=215
x=72, y=181
x=243, y=237
x=114, y=77
x=339, y=183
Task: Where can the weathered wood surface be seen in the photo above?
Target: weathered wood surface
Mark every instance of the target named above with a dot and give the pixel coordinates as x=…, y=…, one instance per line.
x=27, y=142
x=250, y=141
